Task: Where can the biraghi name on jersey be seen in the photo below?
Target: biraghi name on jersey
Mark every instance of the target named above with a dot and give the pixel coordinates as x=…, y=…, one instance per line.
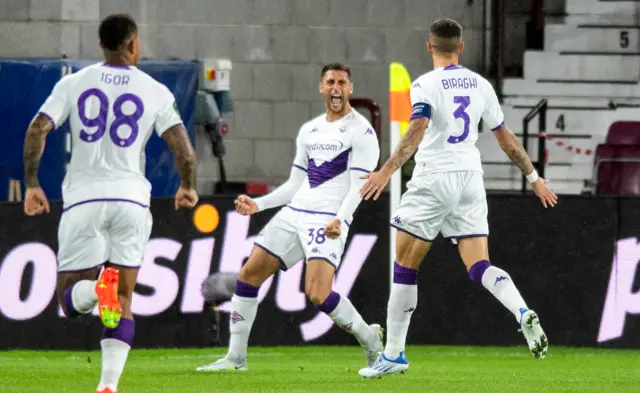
x=460, y=83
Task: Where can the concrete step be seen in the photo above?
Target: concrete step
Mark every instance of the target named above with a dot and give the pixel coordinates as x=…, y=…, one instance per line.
x=534, y=88
x=550, y=66
x=572, y=39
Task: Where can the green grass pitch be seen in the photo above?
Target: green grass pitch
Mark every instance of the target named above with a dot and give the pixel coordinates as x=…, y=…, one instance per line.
x=331, y=369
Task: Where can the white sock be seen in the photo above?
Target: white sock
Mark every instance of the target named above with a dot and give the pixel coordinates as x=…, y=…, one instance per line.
x=403, y=301
x=83, y=296
x=499, y=283
x=348, y=318
x=114, y=357
x=243, y=313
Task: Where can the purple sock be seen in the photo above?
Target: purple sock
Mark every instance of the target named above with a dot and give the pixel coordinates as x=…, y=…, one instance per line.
x=123, y=332
x=477, y=270
x=404, y=275
x=68, y=303
x=245, y=290
x=330, y=303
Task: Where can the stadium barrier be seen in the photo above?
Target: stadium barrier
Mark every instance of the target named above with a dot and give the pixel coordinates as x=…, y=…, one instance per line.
x=575, y=264
x=30, y=82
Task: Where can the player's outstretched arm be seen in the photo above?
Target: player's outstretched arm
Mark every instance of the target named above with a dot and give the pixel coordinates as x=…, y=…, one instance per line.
x=35, y=200
x=377, y=181
x=186, y=163
x=512, y=147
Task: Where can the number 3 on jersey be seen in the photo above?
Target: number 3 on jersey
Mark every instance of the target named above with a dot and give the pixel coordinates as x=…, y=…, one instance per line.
x=100, y=121
x=463, y=103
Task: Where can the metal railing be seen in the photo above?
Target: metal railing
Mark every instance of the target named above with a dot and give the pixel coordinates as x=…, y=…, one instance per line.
x=541, y=111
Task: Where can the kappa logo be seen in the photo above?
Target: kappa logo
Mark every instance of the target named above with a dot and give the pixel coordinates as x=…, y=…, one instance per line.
x=333, y=255
x=501, y=278
x=313, y=130
x=343, y=130
x=369, y=131
x=410, y=309
x=348, y=326
x=235, y=317
x=397, y=220
x=315, y=250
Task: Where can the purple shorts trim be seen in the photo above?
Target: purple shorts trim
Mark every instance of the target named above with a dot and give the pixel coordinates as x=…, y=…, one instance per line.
x=83, y=269
x=466, y=236
x=360, y=169
x=124, y=266
x=105, y=200
x=283, y=267
x=412, y=234
x=323, y=259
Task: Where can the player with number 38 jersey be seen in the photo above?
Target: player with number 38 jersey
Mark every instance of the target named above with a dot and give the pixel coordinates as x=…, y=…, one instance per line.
x=112, y=112
x=458, y=99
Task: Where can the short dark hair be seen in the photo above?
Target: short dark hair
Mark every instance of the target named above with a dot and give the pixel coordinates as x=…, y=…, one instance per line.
x=115, y=29
x=446, y=35
x=335, y=67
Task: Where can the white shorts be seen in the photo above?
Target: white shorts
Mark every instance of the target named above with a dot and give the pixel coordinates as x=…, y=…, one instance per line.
x=451, y=203
x=93, y=233
x=293, y=235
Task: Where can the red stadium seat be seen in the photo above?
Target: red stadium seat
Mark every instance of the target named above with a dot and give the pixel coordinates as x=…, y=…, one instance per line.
x=617, y=169
x=624, y=133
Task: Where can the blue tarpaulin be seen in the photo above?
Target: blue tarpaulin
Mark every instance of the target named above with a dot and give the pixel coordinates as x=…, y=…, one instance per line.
x=24, y=86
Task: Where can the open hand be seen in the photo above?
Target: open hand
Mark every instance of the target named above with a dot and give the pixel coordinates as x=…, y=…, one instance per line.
x=546, y=196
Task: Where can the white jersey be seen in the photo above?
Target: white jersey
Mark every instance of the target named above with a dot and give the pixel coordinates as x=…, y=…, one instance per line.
x=458, y=99
x=112, y=112
x=328, y=152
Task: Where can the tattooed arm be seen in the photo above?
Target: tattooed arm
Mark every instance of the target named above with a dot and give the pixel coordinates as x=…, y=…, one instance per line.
x=377, y=181
x=510, y=144
x=407, y=146
x=185, y=157
x=34, y=147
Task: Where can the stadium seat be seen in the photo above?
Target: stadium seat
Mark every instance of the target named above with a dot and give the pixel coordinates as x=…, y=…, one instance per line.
x=617, y=169
x=624, y=133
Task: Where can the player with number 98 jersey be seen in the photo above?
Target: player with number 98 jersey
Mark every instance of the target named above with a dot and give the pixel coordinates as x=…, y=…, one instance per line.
x=112, y=112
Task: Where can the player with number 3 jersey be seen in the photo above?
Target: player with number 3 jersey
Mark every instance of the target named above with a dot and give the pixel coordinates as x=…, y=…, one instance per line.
x=446, y=193
x=113, y=108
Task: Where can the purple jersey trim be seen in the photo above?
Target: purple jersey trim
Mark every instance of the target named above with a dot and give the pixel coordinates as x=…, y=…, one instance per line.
x=120, y=67
x=299, y=167
x=50, y=119
x=499, y=126
x=360, y=169
x=453, y=67
x=310, y=211
x=105, y=200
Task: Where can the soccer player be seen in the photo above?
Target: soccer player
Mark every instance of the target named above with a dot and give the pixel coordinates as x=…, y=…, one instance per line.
x=113, y=108
x=446, y=193
x=321, y=195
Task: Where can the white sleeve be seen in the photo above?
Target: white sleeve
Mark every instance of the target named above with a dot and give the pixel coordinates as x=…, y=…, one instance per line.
x=366, y=153
x=301, y=160
x=57, y=106
x=492, y=114
x=422, y=100
x=168, y=115
x=283, y=194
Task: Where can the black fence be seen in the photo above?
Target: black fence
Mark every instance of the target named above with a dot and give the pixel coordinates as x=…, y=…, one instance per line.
x=576, y=265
